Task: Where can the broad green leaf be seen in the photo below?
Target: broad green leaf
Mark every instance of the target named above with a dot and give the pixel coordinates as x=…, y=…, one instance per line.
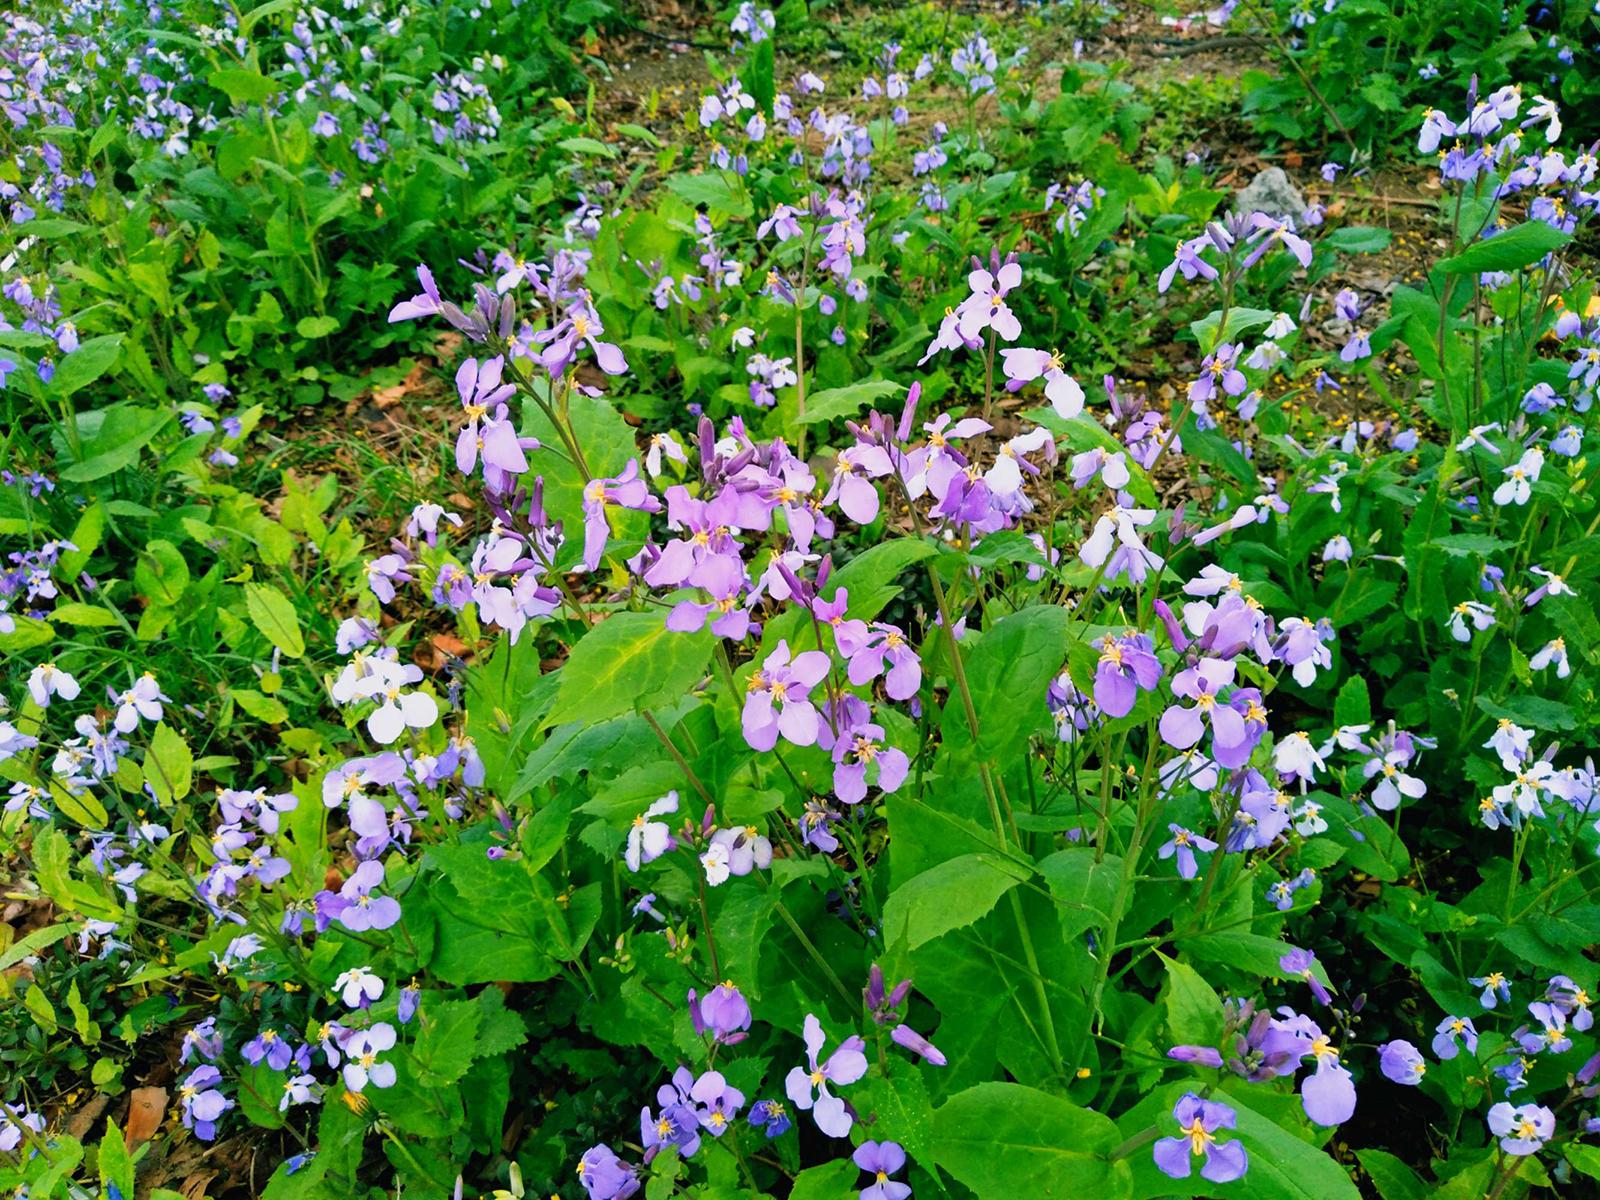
x=122, y=434
x=1008, y=674
x=83, y=615
x=1085, y=891
x=830, y=1181
x=1240, y=320
x=832, y=404
x=81, y=808
x=587, y=145
x=87, y=363
x=715, y=192
x=262, y=707
x=1392, y=1177
x=1521, y=246
x=953, y=894
x=1006, y=1141
x=1353, y=704
x=316, y=327
x=1194, y=1010
x=1358, y=239
x=273, y=614
x=1537, y=711
x=39, y=939
x=627, y=662
x=168, y=765
x=161, y=574
x=244, y=86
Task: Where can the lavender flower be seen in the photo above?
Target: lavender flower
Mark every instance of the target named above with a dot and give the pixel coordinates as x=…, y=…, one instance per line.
x=1198, y=1121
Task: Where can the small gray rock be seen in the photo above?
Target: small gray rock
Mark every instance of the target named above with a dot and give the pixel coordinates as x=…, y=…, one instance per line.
x=1272, y=193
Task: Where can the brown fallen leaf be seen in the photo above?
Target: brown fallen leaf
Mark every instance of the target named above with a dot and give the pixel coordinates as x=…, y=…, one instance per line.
x=84, y=1116
x=147, y=1106
x=194, y=1187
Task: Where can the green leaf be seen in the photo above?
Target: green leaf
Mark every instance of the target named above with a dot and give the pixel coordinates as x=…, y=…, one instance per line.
x=1213, y=448
x=1008, y=674
x=1536, y=711
x=83, y=615
x=316, y=327
x=122, y=434
x=953, y=894
x=447, y=1042
x=587, y=145
x=168, y=765
x=1393, y=1179
x=116, y=1164
x=273, y=614
x=759, y=76
x=832, y=1180
x=48, y=227
x=1085, y=891
x=1462, y=545
x=87, y=363
x=833, y=403
x=265, y=708
x=82, y=808
x=1517, y=247
x=1358, y=239
x=244, y=86
x=1353, y=704
x=1194, y=1010
x=162, y=574
x=1240, y=320
x=39, y=939
x=1006, y=1141
x=714, y=192
x=628, y=661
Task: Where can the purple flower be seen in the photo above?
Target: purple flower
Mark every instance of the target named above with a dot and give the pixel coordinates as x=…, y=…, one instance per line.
x=771, y=1116
x=362, y=910
x=580, y=325
x=426, y=303
x=605, y=1176
x=1522, y=1129
x=678, y=1126
x=808, y=1089
x=1183, y=727
x=724, y=1012
x=857, y=749
x=887, y=643
x=1302, y=963
x=410, y=998
x=1127, y=666
x=267, y=1045
x=201, y=1103
x=777, y=702
x=1183, y=844
x=1495, y=988
x=720, y=1103
x=626, y=490
x=1401, y=1062
x=881, y=1160
x=1445, y=1044
x=1198, y=1121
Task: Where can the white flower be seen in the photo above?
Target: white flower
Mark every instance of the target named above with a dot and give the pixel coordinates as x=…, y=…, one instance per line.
x=1553, y=651
x=358, y=984
x=648, y=840
x=1395, y=783
x=715, y=861
x=662, y=443
x=50, y=680
x=1479, y=616
x=361, y=1066
x=1295, y=755
x=397, y=710
x=1520, y=478
x=1512, y=743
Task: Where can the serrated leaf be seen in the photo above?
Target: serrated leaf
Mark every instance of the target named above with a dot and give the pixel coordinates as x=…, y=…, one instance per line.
x=831, y=404
x=627, y=662
x=1006, y=1141
x=951, y=895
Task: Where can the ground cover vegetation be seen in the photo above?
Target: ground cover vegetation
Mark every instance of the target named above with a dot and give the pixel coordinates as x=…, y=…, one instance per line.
x=950, y=600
